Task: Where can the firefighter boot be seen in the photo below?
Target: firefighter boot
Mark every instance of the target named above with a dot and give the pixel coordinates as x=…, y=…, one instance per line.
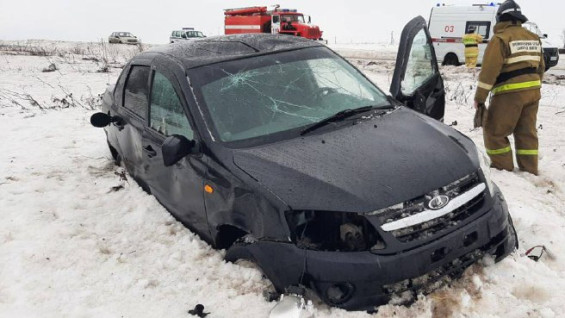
x=526, y=138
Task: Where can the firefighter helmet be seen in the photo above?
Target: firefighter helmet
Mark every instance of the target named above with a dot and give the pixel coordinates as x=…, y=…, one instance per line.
x=510, y=10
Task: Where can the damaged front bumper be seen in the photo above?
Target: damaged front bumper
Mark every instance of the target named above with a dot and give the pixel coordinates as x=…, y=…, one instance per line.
x=364, y=280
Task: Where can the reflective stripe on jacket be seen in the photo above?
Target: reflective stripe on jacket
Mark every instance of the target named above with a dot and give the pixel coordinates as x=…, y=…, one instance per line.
x=511, y=49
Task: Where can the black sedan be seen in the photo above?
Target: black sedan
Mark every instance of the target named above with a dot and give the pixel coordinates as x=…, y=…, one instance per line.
x=281, y=152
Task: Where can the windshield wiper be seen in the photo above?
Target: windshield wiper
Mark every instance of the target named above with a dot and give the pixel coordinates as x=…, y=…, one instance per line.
x=339, y=116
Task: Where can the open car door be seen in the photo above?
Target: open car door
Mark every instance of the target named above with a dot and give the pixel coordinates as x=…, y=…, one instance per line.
x=417, y=82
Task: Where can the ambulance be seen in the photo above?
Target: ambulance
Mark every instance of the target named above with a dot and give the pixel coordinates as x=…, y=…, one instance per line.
x=448, y=24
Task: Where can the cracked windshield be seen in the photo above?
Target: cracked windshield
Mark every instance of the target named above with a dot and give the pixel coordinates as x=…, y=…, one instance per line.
x=264, y=95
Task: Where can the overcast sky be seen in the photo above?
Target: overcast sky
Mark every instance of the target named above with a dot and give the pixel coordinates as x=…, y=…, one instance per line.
x=152, y=21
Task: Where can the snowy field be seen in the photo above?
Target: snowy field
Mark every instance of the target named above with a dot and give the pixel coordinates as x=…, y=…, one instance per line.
x=72, y=246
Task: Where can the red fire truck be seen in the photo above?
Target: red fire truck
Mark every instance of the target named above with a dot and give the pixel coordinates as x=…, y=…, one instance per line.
x=262, y=20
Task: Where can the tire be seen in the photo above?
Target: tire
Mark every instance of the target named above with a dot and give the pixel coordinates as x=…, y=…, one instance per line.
x=451, y=59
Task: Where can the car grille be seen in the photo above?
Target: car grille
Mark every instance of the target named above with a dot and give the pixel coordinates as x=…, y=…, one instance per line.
x=442, y=223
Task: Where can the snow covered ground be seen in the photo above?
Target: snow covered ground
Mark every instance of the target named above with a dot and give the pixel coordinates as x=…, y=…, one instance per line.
x=73, y=246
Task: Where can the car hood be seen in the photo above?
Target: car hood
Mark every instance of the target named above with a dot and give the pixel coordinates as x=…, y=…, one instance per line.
x=364, y=167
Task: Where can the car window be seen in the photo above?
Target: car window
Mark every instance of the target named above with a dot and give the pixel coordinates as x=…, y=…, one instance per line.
x=420, y=64
x=166, y=112
x=135, y=91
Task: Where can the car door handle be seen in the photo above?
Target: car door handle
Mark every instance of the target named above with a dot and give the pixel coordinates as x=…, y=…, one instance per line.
x=150, y=151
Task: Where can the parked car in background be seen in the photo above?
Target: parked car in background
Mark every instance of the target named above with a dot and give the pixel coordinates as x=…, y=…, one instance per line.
x=280, y=151
x=123, y=37
x=186, y=34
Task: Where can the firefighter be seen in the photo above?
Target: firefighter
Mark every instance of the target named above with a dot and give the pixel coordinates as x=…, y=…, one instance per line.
x=512, y=71
x=471, y=41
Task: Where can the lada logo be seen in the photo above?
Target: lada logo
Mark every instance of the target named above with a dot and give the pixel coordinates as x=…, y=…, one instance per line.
x=438, y=202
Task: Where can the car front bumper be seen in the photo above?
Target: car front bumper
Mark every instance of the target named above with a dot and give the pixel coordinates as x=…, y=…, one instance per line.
x=371, y=279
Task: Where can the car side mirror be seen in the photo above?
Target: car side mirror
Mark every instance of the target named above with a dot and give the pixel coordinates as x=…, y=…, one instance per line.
x=309, y=19
x=102, y=120
x=175, y=148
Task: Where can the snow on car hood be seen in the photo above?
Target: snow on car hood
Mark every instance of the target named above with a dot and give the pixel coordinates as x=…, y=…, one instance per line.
x=360, y=168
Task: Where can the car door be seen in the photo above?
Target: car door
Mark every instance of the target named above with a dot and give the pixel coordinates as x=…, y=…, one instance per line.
x=180, y=187
x=417, y=82
x=131, y=97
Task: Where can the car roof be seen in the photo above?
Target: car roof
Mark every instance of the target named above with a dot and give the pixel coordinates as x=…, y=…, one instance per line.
x=228, y=47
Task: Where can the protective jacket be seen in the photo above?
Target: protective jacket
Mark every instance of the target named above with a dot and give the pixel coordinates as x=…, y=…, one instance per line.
x=513, y=61
x=471, y=42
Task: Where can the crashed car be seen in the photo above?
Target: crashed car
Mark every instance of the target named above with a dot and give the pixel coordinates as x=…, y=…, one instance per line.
x=278, y=150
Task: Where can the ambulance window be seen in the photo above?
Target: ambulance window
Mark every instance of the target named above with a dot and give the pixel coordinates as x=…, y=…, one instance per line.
x=483, y=28
x=420, y=64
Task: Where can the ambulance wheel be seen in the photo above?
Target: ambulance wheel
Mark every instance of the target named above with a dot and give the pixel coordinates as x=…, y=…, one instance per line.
x=451, y=59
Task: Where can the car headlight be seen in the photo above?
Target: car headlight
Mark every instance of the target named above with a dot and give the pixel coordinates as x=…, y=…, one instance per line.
x=333, y=231
x=484, y=160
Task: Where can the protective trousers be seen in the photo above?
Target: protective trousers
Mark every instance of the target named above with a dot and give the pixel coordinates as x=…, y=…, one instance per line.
x=513, y=113
x=471, y=55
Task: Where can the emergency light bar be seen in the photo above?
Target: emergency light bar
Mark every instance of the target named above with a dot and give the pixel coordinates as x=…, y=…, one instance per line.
x=492, y=4
x=188, y=29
